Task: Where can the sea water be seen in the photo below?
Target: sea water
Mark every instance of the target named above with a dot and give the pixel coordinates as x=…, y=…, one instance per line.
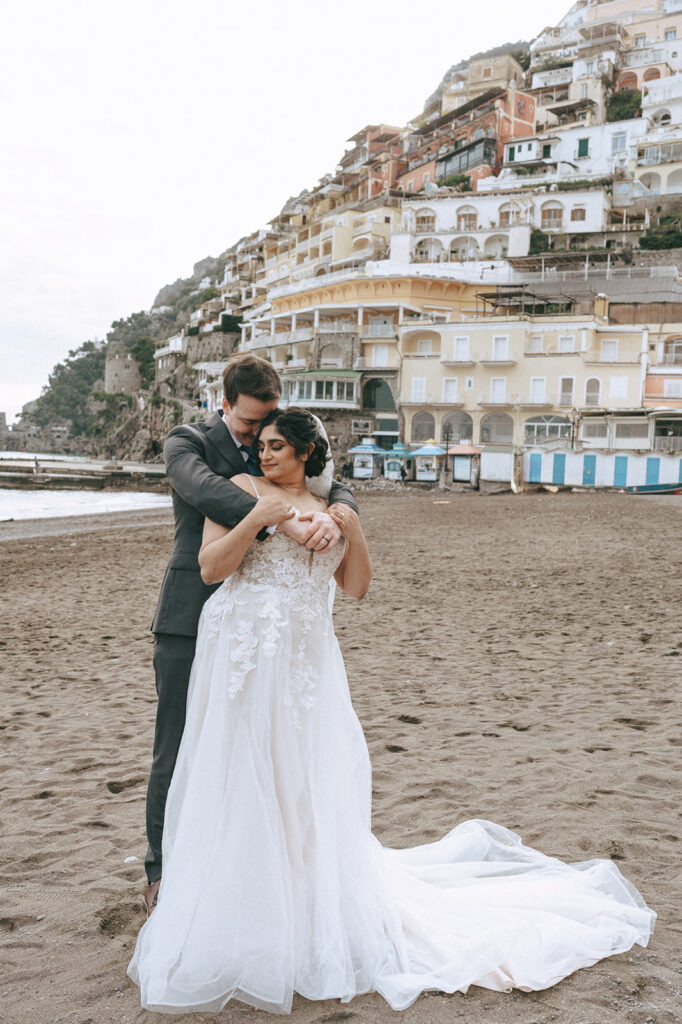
x=16, y=503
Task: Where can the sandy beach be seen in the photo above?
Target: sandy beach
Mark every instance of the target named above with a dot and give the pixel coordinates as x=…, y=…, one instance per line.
x=518, y=658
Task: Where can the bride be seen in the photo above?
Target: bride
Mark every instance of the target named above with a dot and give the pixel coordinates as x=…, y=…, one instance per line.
x=273, y=882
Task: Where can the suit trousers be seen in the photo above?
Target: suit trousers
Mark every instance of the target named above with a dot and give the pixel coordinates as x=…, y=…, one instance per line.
x=173, y=657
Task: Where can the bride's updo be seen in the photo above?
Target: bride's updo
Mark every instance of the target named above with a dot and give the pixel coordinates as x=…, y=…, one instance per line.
x=298, y=427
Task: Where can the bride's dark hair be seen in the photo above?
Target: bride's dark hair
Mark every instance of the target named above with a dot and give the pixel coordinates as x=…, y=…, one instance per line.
x=298, y=427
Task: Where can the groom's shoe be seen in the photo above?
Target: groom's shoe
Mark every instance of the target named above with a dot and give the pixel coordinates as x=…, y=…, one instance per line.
x=150, y=895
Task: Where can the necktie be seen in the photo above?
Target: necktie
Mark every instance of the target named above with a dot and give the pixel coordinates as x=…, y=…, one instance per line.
x=251, y=462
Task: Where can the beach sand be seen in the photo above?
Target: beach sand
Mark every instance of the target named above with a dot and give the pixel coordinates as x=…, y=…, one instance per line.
x=516, y=659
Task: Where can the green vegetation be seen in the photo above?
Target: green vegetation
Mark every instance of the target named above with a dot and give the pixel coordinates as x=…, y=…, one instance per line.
x=624, y=104
x=667, y=234
x=67, y=394
x=205, y=296
x=552, y=63
x=143, y=352
x=107, y=408
x=230, y=324
x=460, y=181
x=577, y=186
x=539, y=242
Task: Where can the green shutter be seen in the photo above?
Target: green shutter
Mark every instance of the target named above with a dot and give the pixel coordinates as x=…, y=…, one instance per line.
x=511, y=152
x=583, y=147
x=546, y=151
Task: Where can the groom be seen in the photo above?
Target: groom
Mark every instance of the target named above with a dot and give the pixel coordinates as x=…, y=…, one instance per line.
x=200, y=459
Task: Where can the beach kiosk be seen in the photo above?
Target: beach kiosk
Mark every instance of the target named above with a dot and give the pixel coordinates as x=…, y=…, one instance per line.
x=366, y=459
x=399, y=455
x=465, y=462
x=427, y=459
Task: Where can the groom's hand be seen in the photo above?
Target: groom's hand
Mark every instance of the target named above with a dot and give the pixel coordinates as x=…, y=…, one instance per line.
x=323, y=532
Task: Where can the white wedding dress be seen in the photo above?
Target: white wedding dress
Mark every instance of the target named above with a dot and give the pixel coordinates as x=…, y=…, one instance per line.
x=273, y=882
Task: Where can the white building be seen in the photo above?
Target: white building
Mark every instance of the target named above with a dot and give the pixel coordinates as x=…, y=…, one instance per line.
x=662, y=101
x=565, y=154
x=169, y=355
x=473, y=226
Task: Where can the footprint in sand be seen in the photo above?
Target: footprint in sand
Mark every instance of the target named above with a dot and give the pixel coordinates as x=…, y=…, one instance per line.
x=410, y=719
x=635, y=723
x=10, y=924
x=120, y=919
x=393, y=748
x=119, y=786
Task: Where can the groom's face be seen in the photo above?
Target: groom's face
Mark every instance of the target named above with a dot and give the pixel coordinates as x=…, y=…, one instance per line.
x=245, y=416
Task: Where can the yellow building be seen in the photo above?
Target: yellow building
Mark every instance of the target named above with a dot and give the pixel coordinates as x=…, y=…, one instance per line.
x=506, y=380
x=335, y=339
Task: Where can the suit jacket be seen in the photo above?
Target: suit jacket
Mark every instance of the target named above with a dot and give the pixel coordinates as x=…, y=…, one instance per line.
x=200, y=459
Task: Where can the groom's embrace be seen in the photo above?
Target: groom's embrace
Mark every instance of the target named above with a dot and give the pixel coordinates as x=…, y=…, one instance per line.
x=200, y=459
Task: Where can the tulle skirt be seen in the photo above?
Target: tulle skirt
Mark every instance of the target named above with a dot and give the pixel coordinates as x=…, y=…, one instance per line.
x=273, y=882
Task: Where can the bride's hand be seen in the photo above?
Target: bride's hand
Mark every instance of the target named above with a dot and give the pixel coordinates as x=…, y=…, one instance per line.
x=271, y=510
x=323, y=531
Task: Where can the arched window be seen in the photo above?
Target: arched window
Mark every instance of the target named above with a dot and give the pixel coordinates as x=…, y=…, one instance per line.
x=424, y=221
x=497, y=428
x=331, y=356
x=628, y=80
x=428, y=250
x=651, y=75
x=496, y=247
x=661, y=117
x=673, y=351
x=592, y=391
x=423, y=426
x=461, y=428
x=463, y=249
x=652, y=181
x=467, y=218
x=476, y=134
x=377, y=395
x=552, y=215
x=508, y=215
x=540, y=429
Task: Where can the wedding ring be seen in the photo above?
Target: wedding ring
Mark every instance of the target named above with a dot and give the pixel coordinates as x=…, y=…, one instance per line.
x=325, y=539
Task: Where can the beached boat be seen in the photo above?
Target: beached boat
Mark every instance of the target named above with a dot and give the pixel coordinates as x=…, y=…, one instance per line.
x=656, y=489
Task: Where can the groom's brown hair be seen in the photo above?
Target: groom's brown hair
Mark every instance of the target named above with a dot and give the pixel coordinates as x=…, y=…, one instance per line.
x=250, y=375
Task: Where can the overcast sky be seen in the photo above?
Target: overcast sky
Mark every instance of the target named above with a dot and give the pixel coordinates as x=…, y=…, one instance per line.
x=142, y=135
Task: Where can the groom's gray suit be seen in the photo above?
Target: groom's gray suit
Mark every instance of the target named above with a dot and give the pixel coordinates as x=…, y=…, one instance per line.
x=200, y=459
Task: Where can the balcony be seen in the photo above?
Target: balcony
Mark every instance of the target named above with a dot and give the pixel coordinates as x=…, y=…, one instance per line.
x=430, y=399
x=668, y=444
x=389, y=331
x=454, y=361
x=492, y=361
x=497, y=401
x=535, y=401
x=555, y=76
x=654, y=155
x=422, y=319
x=642, y=56
x=552, y=350
x=597, y=360
x=338, y=327
x=289, y=337
x=364, y=363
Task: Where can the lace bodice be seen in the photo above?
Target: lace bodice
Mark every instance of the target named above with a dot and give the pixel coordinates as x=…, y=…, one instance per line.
x=281, y=562
x=279, y=595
